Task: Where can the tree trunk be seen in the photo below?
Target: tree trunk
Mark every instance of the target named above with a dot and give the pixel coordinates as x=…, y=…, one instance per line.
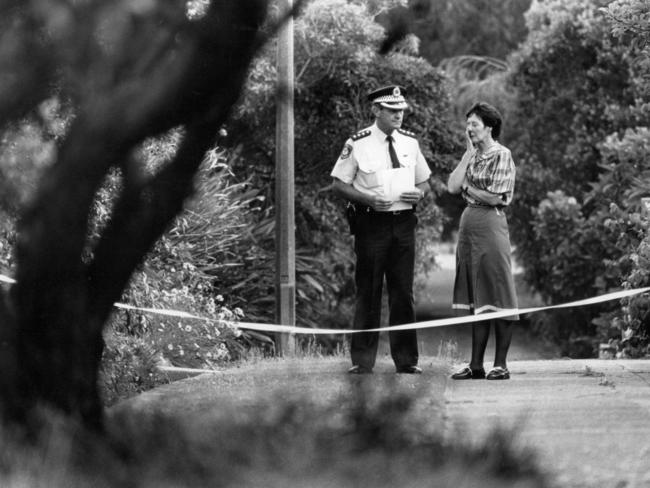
x=52, y=319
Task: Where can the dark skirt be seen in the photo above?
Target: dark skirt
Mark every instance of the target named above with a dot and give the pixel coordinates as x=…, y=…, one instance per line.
x=484, y=281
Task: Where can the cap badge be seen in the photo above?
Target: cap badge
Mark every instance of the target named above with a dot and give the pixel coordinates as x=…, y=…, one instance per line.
x=396, y=92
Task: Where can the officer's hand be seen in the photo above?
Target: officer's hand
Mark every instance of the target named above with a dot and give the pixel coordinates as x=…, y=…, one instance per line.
x=412, y=196
x=380, y=203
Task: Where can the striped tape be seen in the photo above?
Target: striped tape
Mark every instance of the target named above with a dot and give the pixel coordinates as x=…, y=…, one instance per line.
x=289, y=329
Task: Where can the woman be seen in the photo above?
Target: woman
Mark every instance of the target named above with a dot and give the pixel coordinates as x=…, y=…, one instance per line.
x=485, y=177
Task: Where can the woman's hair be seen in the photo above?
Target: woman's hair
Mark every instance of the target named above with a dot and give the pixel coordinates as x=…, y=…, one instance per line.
x=489, y=115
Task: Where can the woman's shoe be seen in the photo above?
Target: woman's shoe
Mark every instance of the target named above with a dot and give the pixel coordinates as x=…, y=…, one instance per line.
x=468, y=373
x=498, y=373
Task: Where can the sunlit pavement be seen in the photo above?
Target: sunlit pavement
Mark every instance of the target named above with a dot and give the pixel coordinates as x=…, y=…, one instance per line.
x=589, y=420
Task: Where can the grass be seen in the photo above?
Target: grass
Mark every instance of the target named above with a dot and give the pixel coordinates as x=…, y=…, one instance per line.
x=278, y=423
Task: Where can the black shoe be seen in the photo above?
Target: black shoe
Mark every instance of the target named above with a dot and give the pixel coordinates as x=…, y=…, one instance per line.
x=468, y=373
x=498, y=373
x=409, y=370
x=356, y=369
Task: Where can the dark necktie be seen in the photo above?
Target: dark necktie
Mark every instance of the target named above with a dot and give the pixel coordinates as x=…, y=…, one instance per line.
x=391, y=151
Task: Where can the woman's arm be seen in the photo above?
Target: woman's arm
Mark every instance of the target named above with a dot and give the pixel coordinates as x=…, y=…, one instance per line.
x=485, y=196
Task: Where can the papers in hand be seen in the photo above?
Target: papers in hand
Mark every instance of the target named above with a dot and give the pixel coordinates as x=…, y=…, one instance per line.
x=397, y=181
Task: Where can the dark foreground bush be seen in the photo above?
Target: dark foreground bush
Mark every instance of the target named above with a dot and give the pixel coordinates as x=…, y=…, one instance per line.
x=364, y=439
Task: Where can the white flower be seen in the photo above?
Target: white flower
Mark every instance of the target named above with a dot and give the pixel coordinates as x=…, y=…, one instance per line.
x=628, y=334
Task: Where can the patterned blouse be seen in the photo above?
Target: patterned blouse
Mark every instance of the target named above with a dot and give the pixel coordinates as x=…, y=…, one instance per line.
x=493, y=171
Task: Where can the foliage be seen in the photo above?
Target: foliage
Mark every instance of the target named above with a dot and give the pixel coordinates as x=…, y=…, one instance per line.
x=630, y=20
x=200, y=267
x=627, y=173
x=470, y=27
x=337, y=63
x=184, y=271
x=577, y=90
x=28, y=147
x=475, y=78
x=572, y=264
x=129, y=367
x=572, y=80
x=128, y=71
x=361, y=438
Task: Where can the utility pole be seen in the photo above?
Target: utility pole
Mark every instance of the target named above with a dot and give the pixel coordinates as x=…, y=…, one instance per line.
x=285, y=240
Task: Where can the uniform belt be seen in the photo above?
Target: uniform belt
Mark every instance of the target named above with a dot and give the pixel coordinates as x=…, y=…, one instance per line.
x=369, y=210
x=485, y=205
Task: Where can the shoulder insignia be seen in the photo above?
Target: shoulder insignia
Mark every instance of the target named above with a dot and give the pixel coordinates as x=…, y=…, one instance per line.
x=407, y=133
x=361, y=135
x=347, y=150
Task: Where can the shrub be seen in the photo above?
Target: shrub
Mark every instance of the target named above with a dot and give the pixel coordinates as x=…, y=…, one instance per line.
x=625, y=180
x=576, y=91
x=129, y=367
x=202, y=267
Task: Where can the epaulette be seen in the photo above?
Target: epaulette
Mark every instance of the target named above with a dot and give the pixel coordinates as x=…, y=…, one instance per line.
x=361, y=135
x=407, y=133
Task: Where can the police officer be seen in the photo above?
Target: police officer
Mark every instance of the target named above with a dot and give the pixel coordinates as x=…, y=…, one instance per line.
x=383, y=174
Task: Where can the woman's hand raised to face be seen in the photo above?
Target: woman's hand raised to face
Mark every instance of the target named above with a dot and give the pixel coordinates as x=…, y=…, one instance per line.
x=468, y=141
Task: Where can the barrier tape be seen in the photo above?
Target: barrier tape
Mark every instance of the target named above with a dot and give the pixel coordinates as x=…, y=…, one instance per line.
x=6, y=279
x=290, y=329
x=445, y=322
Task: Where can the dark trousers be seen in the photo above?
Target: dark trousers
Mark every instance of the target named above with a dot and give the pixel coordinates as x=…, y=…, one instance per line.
x=384, y=247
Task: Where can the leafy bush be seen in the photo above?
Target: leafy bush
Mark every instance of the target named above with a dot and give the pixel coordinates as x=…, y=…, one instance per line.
x=129, y=367
x=583, y=254
x=626, y=181
x=577, y=91
x=470, y=27
x=337, y=64
x=202, y=267
x=573, y=89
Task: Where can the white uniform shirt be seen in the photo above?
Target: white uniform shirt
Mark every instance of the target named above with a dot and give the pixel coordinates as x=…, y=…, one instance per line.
x=365, y=161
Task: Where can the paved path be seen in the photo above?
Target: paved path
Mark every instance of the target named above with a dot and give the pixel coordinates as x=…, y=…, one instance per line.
x=589, y=420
